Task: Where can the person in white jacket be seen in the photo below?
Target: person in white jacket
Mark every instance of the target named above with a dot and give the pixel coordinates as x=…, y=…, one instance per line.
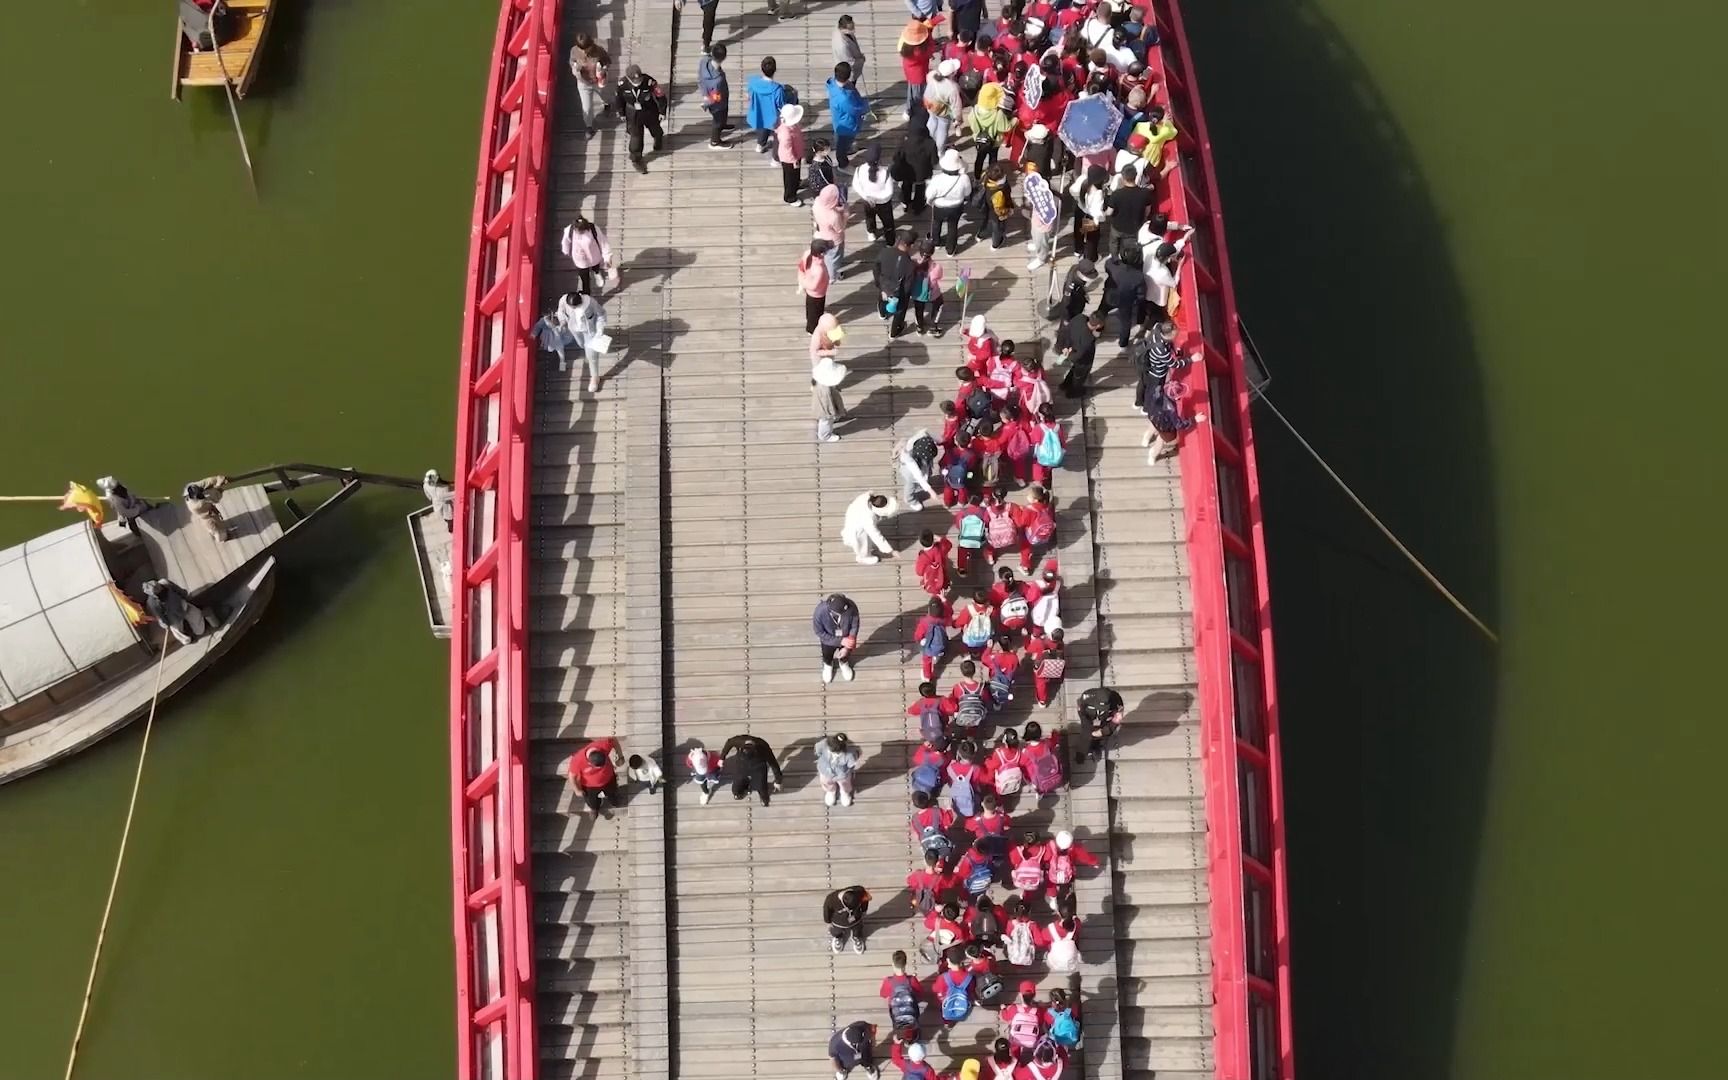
x=916, y=458
x=860, y=530
x=585, y=320
x=948, y=192
x=874, y=186
x=1162, y=263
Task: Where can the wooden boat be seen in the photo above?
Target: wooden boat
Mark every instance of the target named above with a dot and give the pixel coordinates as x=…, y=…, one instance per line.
x=247, y=27
x=73, y=666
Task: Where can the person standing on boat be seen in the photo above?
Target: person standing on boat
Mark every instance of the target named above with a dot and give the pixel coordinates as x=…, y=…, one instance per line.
x=201, y=497
x=126, y=506
x=589, y=251
x=589, y=63
x=440, y=494
x=203, y=23
x=755, y=760
x=643, y=103
x=594, y=771
x=175, y=611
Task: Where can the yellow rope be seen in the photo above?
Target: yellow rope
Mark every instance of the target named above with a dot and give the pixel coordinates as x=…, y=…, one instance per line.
x=1381, y=525
x=114, y=883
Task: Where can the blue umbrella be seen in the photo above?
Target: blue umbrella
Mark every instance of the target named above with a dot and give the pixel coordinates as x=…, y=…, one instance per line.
x=1089, y=125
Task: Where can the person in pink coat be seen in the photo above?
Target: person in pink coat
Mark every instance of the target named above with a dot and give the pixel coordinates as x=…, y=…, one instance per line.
x=829, y=218
x=789, y=151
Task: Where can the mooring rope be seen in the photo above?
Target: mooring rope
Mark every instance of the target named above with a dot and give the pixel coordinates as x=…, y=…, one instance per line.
x=120, y=861
x=1433, y=580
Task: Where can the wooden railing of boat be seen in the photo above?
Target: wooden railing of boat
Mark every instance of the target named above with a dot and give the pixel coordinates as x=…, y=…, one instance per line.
x=489, y=634
x=1238, y=697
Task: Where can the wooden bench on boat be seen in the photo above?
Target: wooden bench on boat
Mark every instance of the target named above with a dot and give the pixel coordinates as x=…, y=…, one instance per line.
x=249, y=23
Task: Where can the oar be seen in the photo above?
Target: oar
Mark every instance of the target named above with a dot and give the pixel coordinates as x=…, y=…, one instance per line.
x=233, y=107
x=31, y=498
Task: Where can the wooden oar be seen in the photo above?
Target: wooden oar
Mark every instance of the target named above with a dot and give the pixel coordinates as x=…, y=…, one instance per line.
x=31, y=498
x=233, y=106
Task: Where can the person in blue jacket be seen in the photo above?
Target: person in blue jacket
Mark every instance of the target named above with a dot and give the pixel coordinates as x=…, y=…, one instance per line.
x=847, y=108
x=766, y=98
x=716, y=94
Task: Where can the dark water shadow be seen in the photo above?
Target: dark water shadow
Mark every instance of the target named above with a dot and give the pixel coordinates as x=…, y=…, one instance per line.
x=1388, y=698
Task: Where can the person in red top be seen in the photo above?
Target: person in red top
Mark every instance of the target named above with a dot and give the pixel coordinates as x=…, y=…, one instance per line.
x=1012, y=600
x=950, y=422
x=1001, y=1064
x=987, y=443
x=1017, y=445
x=917, y=50
x=1002, y=668
x=1001, y=530
x=959, y=452
x=594, y=771
x=931, y=565
x=971, y=537
x=1022, y=937
x=908, y=1057
x=968, y=378
x=1049, y=1062
x=1033, y=390
x=898, y=980
x=1063, y=856
x=947, y=930
x=976, y=621
x=930, y=884
x=931, y=634
x=980, y=346
x=926, y=703
x=1049, y=665
x=1037, y=521
x=990, y=824
x=933, y=751
x=926, y=813
x=955, y=978
x=1002, y=372
x=1007, y=773
x=1026, y=862
x=1025, y=1021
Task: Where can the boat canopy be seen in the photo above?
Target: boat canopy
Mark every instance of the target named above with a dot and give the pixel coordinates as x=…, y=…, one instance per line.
x=58, y=614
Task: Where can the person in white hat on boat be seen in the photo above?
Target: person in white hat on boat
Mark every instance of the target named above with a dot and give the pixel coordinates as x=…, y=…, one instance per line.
x=860, y=529
x=948, y=192
x=942, y=101
x=126, y=506
x=825, y=379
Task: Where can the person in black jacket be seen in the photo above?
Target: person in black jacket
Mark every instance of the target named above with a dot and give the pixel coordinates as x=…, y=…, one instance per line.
x=914, y=163
x=1101, y=710
x=1082, y=336
x=843, y=910
x=755, y=760
x=895, y=275
x=643, y=102
x=1124, y=289
x=853, y=1047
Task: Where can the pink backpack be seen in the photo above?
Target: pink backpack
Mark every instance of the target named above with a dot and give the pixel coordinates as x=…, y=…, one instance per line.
x=1001, y=531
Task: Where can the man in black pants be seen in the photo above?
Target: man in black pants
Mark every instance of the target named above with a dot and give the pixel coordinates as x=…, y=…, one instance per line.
x=844, y=910
x=895, y=275
x=709, y=8
x=1101, y=712
x=643, y=102
x=1082, y=336
x=755, y=760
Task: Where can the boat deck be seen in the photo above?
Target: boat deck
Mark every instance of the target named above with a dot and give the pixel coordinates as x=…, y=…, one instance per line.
x=685, y=524
x=188, y=554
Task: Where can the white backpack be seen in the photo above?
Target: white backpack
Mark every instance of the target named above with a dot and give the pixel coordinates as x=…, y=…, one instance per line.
x=1064, y=955
x=1021, y=949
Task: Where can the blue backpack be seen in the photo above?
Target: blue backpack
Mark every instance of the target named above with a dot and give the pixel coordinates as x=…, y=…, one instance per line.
x=935, y=641
x=960, y=792
x=1001, y=687
x=927, y=777
x=972, y=528
x=954, y=474
x=1064, y=1028
x=979, y=878
x=956, y=1002
x=1050, y=451
x=930, y=723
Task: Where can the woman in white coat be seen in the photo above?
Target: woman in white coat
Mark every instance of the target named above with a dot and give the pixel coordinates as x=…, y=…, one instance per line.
x=860, y=529
x=585, y=321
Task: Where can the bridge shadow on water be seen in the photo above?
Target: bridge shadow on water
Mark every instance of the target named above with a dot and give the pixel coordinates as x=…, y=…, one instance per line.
x=1344, y=276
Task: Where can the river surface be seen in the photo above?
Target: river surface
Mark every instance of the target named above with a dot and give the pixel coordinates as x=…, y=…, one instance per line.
x=1473, y=241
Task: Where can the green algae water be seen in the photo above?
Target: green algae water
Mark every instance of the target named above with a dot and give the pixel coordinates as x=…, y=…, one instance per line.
x=1475, y=242
x=285, y=908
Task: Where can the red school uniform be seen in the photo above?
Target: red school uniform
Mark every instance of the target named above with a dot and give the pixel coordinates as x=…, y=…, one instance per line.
x=1011, y=616
x=982, y=824
x=979, y=351
x=915, y=1070
x=926, y=754
x=942, y=818
x=984, y=615
x=1056, y=1070
x=590, y=777
x=935, y=882
x=1001, y=665
x=1001, y=373
x=1049, y=665
x=945, y=933
x=1037, y=528
x=1005, y=766
x=893, y=982
x=1062, y=866
x=1001, y=531
x=931, y=567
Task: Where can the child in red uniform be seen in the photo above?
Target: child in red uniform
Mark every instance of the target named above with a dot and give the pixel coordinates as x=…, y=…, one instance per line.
x=1048, y=451
x=1063, y=856
x=1002, y=372
x=1042, y=758
x=966, y=403
x=1021, y=937
x=947, y=930
x=1026, y=862
x=950, y=422
x=1016, y=442
x=931, y=634
x=988, y=445
x=952, y=991
x=1000, y=1065
x=990, y=826
x=967, y=698
x=1037, y=521
x=1025, y=1021
x=932, y=714
x=980, y=345
x=1049, y=664
x=1001, y=531
x=905, y=997
x=908, y=1057
x=932, y=563
x=1007, y=774
x=976, y=622
x=929, y=819
x=1033, y=392
x=1013, y=602
x=1001, y=666
x=1049, y=1062
x=959, y=469
x=594, y=771
x=1047, y=600
x=965, y=778
x=930, y=884
x=932, y=751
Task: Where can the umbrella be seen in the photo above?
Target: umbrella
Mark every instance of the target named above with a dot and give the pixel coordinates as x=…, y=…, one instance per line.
x=1089, y=125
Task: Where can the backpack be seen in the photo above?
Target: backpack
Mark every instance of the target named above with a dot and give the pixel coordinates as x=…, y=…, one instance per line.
x=978, y=402
x=927, y=777
x=1015, y=608
x=1001, y=686
x=935, y=641
x=954, y=474
x=932, y=838
x=930, y=723
x=979, y=878
x=1008, y=779
x=1021, y=948
x=1046, y=771
x=985, y=924
x=1023, y=1029
x=1050, y=452
x=976, y=633
x=960, y=794
x=972, y=533
x=902, y=1005
x=1001, y=531
x=992, y=467
x=923, y=451
x=1027, y=876
x=1052, y=665
x=990, y=988
x=969, y=712
x=1042, y=527
x=1064, y=955
x=956, y=1002
x=1017, y=445
x=924, y=899
x=1064, y=1028
x=1061, y=868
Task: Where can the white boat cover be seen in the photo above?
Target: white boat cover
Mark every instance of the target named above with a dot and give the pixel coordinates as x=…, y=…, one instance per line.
x=57, y=614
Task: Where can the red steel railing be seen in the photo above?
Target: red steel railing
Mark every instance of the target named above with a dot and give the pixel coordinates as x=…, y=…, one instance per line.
x=1232, y=623
x=489, y=635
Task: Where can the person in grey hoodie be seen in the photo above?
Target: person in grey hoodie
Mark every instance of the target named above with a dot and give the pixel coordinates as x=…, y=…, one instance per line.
x=848, y=51
x=836, y=761
x=835, y=621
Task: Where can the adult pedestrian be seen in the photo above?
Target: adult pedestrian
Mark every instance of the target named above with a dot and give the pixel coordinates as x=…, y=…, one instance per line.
x=716, y=90
x=874, y=186
x=585, y=322
x=915, y=459
x=927, y=288
x=1155, y=358
x=998, y=197
x=844, y=910
x=1163, y=273
x=1101, y=712
x=1124, y=290
x=813, y=282
x=755, y=761
x=1043, y=214
x=828, y=219
x=789, y=151
x=1165, y=424
x=942, y=103
x=589, y=252
x=895, y=275
x=990, y=123
x=914, y=164
x=837, y=760
x=643, y=103
x=835, y=622
x=948, y=192
x=844, y=45
x=710, y=8
x=846, y=110
x=853, y=1047
x=1088, y=191
x=825, y=379
x=1129, y=206
x=860, y=530
x=594, y=773
x=589, y=63
x=916, y=51
x=968, y=15
x=766, y=98
x=1082, y=334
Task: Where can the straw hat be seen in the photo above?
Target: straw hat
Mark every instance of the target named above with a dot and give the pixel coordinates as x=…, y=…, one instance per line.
x=828, y=372
x=951, y=160
x=791, y=115
x=917, y=32
x=948, y=68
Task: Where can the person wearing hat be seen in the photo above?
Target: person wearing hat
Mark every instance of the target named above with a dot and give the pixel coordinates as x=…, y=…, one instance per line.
x=201, y=497
x=129, y=507
x=175, y=611
x=916, y=50
x=990, y=124
x=825, y=379
x=948, y=192
x=789, y=151
x=874, y=186
x=859, y=531
x=1039, y=151
x=909, y=1058
x=643, y=103
x=942, y=101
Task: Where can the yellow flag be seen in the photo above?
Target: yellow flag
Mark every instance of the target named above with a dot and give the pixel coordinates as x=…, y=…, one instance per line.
x=79, y=497
x=134, y=614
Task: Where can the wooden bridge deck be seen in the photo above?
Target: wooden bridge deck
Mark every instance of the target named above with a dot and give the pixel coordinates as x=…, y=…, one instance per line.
x=685, y=525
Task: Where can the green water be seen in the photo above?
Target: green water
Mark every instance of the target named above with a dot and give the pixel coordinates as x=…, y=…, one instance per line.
x=285, y=911
x=1477, y=242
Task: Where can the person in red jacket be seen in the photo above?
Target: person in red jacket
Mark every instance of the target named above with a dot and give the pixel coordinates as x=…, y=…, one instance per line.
x=919, y=710
x=947, y=933
x=1016, y=442
x=955, y=979
x=932, y=563
x=1049, y=664
x=1001, y=1064
x=1041, y=755
x=903, y=1014
x=987, y=444
x=932, y=751
x=908, y=1057
x=1049, y=1062
x=1063, y=856
x=976, y=621
x=1026, y=866
x=930, y=884
x=979, y=344
x=1012, y=600
x=931, y=634
x=1007, y=772
x=1001, y=668
x=950, y=422
x=1022, y=937
x=1037, y=521
x=989, y=827
x=1025, y=1021
x=1001, y=530
x=959, y=473
x=594, y=771
x=971, y=536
